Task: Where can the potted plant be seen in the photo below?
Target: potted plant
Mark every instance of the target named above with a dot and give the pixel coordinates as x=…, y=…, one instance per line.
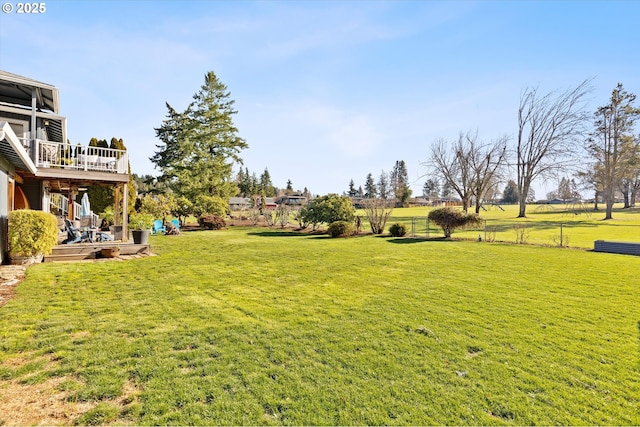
x=140, y=225
x=32, y=234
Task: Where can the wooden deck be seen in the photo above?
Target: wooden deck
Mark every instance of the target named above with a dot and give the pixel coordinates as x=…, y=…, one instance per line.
x=81, y=251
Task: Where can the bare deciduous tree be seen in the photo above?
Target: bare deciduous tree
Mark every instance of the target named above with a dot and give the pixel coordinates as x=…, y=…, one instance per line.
x=469, y=167
x=549, y=129
x=378, y=211
x=487, y=162
x=453, y=165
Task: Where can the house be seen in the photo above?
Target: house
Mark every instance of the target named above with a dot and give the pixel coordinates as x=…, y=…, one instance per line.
x=270, y=203
x=39, y=169
x=291, y=200
x=240, y=203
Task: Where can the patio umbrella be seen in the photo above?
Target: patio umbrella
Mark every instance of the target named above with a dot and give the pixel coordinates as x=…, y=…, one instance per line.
x=85, y=207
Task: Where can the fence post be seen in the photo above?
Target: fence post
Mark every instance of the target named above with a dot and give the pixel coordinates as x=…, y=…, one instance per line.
x=485, y=230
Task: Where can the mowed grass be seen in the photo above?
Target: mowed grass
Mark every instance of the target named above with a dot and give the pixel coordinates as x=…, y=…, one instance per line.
x=258, y=326
x=580, y=228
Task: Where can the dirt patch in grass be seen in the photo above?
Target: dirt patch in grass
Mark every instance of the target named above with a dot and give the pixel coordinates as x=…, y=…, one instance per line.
x=39, y=404
x=47, y=402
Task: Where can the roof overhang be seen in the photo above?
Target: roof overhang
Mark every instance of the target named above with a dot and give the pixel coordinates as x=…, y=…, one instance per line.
x=13, y=151
x=20, y=90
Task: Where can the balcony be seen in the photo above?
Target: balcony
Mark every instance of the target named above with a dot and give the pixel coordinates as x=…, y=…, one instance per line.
x=51, y=154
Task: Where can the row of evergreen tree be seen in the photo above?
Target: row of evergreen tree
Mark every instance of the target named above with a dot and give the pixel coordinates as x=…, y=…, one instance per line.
x=250, y=185
x=394, y=185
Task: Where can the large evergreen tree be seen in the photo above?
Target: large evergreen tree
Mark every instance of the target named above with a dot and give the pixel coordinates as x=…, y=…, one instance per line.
x=200, y=145
x=510, y=193
x=370, y=189
x=400, y=183
x=612, y=142
x=265, y=185
x=383, y=185
x=352, y=189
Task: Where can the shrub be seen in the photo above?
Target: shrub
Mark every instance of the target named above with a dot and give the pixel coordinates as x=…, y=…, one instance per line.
x=254, y=216
x=378, y=211
x=398, y=230
x=282, y=215
x=522, y=233
x=141, y=221
x=340, y=229
x=328, y=209
x=449, y=219
x=212, y=222
x=32, y=232
x=269, y=217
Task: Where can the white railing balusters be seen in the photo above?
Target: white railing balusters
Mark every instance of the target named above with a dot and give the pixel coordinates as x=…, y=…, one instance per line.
x=56, y=154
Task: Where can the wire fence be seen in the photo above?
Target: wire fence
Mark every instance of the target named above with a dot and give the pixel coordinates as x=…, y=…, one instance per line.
x=577, y=234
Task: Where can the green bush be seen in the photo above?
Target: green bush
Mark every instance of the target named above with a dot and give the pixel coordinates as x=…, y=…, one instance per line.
x=141, y=221
x=449, y=219
x=398, y=230
x=32, y=232
x=212, y=222
x=328, y=209
x=210, y=205
x=341, y=229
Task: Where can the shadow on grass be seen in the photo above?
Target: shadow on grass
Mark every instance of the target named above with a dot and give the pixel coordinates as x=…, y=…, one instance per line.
x=412, y=240
x=277, y=233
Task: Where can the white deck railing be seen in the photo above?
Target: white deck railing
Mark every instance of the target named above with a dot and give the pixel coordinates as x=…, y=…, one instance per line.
x=52, y=154
x=60, y=203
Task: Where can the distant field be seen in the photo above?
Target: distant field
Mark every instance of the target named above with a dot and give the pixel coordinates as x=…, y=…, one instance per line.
x=258, y=326
x=542, y=225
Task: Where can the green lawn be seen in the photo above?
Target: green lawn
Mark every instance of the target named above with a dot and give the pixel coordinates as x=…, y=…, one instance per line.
x=257, y=326
x=541, y=226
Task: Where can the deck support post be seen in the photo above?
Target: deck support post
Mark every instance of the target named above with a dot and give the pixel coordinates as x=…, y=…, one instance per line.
x=71, y=197
x=125, y=213
x=116, y=207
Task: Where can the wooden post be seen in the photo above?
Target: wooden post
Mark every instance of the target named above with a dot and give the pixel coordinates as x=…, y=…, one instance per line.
x=116, y=208
x=71, y=197
x=125, y=213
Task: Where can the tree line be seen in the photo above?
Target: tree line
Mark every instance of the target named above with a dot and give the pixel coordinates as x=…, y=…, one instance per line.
x=555, y=135
x=393, y=186
x=200, y=147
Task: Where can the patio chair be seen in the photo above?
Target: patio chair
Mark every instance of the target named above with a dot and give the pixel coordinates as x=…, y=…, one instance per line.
x=176, y=223
x=74, y=234
x=78, y=235
x=158, y=226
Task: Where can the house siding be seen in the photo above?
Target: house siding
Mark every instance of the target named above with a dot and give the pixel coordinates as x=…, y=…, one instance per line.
x=5, y=170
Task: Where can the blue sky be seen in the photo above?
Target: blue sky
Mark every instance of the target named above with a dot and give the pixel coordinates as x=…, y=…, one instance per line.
x=326, y=91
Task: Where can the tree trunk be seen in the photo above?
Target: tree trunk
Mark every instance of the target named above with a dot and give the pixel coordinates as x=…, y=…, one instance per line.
x=522, y=213
x=595, y=201
x=609, y=211
x=609, y=198
x=626, y=189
